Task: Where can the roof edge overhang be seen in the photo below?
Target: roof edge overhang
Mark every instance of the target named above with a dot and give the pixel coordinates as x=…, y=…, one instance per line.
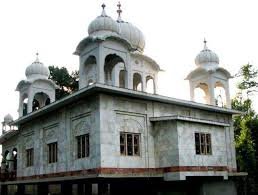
x=200, y=70
x=4, y=137
x=93, y=39
x=102, y=88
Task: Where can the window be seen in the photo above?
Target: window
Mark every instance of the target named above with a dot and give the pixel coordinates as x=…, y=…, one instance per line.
x=129, y=144
x=203, y=143
x=29, y=157
x=52, y=152
x=83, y=146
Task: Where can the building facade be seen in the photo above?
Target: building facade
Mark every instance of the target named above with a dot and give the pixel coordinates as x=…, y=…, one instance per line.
x=115, y=135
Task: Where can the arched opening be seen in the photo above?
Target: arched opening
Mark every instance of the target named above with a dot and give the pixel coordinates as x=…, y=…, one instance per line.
x=40, y=99
x=220, y=94
x=150, y=84
x=35, y=105
x=111, y=61
x=7, y=157
x=122, y=78
x=5, y=154
x=4, y=164
x=15, y=159
x=25, y=105
x=47, y=101
x=137, y=82
x=89, y=70
x=201, y=93
x=90, y=82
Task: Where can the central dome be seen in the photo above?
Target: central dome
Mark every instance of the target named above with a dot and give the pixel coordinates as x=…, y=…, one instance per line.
x=37, y=70
x=103, y=23
x=132, y=34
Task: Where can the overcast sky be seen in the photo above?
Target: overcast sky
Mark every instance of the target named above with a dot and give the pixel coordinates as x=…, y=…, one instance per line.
x=174, y=32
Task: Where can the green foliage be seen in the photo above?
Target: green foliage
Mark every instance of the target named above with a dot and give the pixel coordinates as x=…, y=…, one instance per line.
x=245, y=148
x=249, y=78
x=68, y=83
x=246, y=126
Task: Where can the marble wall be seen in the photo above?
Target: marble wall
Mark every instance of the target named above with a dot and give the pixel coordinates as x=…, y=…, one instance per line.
x=163, y=144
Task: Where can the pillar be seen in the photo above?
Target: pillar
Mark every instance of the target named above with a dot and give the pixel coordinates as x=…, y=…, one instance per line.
x=66, y=188
x=191, y=90
x=42, y=189
x=228, y=101
x=103, y=189
x=20, y=189
x=3, y=190
x=80, y=188
x=211, y=92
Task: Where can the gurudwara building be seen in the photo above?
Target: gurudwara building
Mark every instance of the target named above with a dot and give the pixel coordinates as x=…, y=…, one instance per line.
x=115, y=135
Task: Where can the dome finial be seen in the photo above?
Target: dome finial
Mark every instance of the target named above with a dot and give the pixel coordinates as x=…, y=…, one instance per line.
x=103, y=10
x=205, y=44
x=119, y=11
x=37, y=57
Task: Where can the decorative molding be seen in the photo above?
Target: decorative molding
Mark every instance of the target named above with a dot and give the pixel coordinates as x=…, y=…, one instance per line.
x=124, y=172
x=188, y=119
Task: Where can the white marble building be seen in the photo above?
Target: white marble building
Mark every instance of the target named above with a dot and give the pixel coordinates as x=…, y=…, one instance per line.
x=116, y=129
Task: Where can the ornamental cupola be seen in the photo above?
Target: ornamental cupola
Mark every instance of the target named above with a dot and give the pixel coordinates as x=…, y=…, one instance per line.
x=37, y=90
x=209, y=79
x=37, y=70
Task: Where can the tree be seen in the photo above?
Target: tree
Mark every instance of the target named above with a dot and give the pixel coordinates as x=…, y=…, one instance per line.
x=249, y=78
x=68, y=83
x=246, y=125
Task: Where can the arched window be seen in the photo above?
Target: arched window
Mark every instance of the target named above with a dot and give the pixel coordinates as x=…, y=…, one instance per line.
x=201, y=93
x=111, y=61
x=122, y=78
x=40, y=99
x=150, y=84
x=25, y=105
x=137, y=82
x=89, y=71
x=220, y=94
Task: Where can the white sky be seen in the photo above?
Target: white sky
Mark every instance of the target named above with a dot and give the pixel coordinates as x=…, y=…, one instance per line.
x=174, y=31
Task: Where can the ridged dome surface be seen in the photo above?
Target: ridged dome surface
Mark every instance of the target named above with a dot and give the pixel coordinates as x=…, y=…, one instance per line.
x=37, y=70
x=132, y=34
x=8, y=118
x=207, y=58
x=103, y=23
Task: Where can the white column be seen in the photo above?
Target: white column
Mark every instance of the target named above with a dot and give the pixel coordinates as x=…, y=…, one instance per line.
x=143, y=82
x=191, y=84
x=211, y=92
x=228, y=101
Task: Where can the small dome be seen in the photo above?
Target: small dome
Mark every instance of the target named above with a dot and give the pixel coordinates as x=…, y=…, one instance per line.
x=37, y=70
x=103, y=23
x=132, y=34
x=207, y=58
x=8, y=118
